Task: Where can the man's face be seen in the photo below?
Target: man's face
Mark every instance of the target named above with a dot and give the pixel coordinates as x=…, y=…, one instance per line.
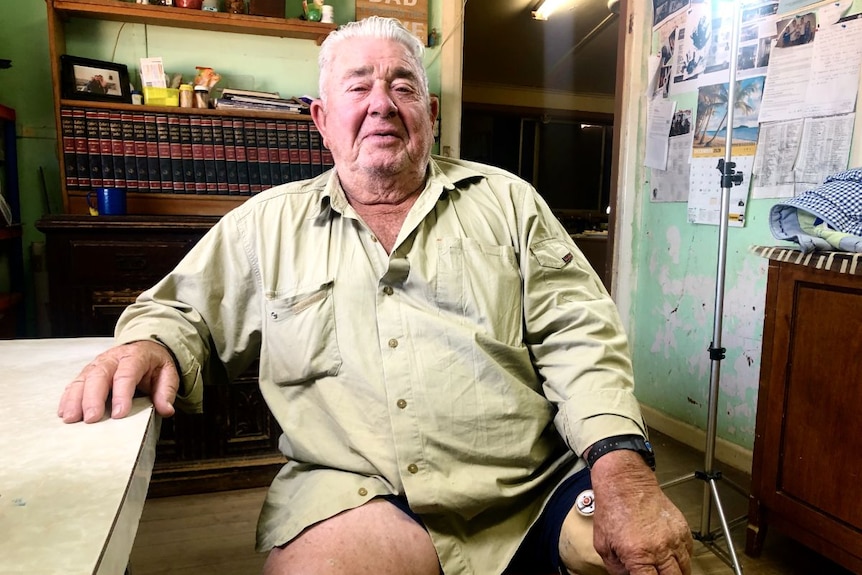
x=376, y=119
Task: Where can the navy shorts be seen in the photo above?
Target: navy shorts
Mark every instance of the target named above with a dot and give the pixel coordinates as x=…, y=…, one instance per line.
x=540, y=551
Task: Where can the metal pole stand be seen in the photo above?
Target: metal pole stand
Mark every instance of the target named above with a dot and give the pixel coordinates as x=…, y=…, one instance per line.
x=710, y=477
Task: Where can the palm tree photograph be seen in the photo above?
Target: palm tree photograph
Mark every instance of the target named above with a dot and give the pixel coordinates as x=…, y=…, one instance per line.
x=712, y=112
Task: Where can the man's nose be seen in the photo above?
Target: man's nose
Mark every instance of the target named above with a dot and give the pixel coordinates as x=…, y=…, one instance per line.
x=381, y=102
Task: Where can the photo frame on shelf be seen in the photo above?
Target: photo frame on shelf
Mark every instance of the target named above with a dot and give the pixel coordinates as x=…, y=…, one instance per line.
x=88, y=79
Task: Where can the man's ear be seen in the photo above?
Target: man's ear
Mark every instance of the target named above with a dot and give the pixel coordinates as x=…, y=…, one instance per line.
x=318, y=114
x=435, y=108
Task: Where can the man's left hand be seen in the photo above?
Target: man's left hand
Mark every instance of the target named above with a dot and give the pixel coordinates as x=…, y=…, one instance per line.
x=637, y=529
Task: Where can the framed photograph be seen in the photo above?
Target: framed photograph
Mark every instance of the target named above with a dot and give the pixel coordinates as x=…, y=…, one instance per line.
x=86, y=79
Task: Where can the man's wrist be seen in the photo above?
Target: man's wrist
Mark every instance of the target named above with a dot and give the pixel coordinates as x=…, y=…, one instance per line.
x=636, y=443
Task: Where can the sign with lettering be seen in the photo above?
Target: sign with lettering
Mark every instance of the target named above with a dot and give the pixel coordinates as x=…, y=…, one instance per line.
x=412, y=13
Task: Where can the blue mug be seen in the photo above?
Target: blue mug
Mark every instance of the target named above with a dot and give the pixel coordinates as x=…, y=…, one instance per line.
x=107, y=202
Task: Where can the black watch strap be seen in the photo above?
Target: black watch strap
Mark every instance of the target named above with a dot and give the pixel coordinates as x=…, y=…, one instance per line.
x=630, y=442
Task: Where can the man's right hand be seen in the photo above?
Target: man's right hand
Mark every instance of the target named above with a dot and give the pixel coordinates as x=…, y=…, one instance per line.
x=145, y=365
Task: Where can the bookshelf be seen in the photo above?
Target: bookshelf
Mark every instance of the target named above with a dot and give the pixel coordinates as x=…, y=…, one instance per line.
x=11, y=248
x=150, y=201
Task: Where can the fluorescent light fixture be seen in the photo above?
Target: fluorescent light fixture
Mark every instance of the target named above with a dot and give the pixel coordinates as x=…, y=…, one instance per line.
x=548, y=7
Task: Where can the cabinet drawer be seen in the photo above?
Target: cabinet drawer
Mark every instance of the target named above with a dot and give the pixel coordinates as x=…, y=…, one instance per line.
x=120, y=262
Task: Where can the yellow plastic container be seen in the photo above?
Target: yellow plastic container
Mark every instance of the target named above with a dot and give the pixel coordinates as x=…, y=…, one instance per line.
x=161, y=96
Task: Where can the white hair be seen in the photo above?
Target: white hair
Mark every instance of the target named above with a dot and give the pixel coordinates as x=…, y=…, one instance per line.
x=371, y=27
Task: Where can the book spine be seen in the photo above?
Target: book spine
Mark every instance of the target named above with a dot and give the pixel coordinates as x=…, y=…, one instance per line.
x=242, y=170
x=215, y=185
x=118, y=162
x=139, y=135
x=199, y=177
x=293, y=146
x=94, y=147
x=315, y=146
x=176, y=148
x=251, y=149
x=326, y=155
x=263, y=159
x=230, y=156
x=70, y=152
x=79, y=121
x=105, y=149
x=304, y=151
x=129, y=159
x=186, y=151
x=161, y=139
x=283, y=151
x=272, y=146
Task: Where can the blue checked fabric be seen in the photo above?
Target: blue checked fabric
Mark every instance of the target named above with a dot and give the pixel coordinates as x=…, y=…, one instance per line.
x=837, y=202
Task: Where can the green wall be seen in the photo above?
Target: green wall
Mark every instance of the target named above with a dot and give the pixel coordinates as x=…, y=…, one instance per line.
x=285, y=65
x=671, y=268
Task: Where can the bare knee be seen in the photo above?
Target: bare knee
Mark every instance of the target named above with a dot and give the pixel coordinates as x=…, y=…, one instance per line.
x=376, y=538
x=577, y=553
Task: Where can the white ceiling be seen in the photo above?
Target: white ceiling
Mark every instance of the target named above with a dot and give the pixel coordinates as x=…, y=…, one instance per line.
x=503, y=45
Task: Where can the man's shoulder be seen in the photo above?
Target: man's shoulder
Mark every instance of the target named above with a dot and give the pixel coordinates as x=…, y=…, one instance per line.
x=297, y=195
x=458, y=170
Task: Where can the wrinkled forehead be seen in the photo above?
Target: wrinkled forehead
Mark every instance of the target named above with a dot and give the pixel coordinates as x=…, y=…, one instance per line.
x=376, y=58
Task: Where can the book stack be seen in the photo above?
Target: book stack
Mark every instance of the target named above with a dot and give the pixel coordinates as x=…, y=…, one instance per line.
x=254, y=100
x=158, y=152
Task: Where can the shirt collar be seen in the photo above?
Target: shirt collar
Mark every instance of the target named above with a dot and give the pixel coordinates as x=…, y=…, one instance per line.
x=444, y=175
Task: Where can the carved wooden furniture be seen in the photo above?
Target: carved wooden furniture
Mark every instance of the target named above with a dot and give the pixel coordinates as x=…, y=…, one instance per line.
x=97, y=266
x=808, y=441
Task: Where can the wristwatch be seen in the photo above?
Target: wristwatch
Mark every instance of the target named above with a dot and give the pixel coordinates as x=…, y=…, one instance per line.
x=634, y=443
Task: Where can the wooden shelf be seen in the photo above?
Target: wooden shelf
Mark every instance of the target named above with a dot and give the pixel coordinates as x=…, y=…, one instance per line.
x=10, y=232
x=165, y=204
x=115, y=10
x=175, y=110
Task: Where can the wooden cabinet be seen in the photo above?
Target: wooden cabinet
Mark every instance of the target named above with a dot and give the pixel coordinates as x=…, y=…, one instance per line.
x=150, y=201
x=97, y=266
x=11, y=248
x=808, y=439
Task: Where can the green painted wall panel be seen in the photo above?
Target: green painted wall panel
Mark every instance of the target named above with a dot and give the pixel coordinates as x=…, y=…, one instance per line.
x=281, y=64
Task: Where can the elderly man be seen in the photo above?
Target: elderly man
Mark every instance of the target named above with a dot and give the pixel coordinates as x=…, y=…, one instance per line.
x=448, y=371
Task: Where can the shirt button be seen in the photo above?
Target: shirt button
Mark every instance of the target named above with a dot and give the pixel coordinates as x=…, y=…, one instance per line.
x=273, y=315
x=413, y=468
x=388, y=290
x=374, y=239
x=402, y=403
x=393, y=343
x=363, y=492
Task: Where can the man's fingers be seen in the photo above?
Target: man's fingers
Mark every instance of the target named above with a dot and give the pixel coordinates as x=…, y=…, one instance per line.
x=165, y=389
x=97, y=380
x=70, y=403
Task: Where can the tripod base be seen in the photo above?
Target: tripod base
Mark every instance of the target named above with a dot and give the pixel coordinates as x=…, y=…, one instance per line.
x=706, y=536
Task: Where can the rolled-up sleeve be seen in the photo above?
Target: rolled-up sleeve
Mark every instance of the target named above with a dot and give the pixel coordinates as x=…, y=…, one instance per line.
x=575, y=334
x=206, y=311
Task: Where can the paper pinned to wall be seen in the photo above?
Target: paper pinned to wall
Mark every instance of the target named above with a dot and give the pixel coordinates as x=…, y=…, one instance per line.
x=819, y=78
x=659, y=117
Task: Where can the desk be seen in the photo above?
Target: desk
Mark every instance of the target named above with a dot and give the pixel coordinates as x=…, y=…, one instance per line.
x=71, y=496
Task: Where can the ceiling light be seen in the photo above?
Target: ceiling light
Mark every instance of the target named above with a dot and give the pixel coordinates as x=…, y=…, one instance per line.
x=548, y=7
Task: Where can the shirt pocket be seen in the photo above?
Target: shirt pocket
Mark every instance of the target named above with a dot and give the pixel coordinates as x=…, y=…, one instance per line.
x=300, y=342
x=481, y=283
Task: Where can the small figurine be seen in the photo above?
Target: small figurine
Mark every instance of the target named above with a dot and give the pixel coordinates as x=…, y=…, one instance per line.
x=313, y=12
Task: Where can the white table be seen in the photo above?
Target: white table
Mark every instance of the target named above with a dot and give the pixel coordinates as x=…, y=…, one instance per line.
x=71, y=496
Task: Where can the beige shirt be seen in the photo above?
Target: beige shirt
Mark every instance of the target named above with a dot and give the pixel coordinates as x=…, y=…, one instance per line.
x=464, y=370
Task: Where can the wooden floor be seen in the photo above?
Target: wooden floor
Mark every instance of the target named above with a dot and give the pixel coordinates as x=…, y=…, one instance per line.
x=214, y=533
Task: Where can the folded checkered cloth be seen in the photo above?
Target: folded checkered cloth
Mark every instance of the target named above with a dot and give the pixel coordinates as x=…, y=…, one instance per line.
x=826, y=218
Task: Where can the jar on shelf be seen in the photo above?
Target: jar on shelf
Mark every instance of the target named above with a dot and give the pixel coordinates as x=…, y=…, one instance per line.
x=235, y=6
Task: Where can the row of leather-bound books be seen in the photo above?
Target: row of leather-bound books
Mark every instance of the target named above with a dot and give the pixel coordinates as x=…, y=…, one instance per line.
x=154, y=152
